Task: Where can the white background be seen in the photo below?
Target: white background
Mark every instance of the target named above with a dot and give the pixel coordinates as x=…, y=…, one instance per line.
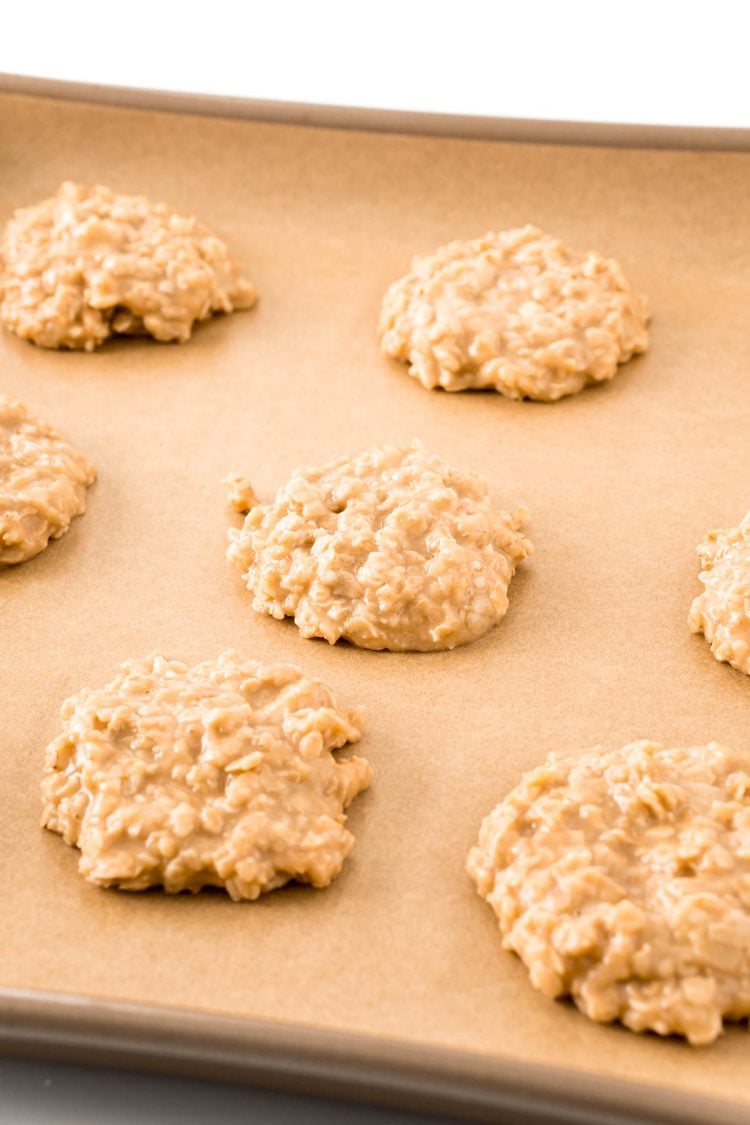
x=651, y=62
x=643, y=61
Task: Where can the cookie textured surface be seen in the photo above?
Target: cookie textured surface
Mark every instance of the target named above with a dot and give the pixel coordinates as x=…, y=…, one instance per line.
x=622, y=879
x=43, y=482
x=217, y=775
x=392, y=549
x=516, y=312
x=722, y=611
x=88, y=264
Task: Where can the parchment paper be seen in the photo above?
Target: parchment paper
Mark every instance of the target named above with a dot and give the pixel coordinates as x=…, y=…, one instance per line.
x=622, y=483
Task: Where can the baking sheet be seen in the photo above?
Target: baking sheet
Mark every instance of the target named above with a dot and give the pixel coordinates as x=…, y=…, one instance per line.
x=622, y=483
x=525, y=129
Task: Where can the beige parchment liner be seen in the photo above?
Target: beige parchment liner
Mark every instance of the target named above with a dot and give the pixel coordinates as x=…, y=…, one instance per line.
x=622, y=481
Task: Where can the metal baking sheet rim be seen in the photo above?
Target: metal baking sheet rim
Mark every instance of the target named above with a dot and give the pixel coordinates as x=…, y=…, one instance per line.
x=78, y=1029
x=310, y=1060
x=529, y=130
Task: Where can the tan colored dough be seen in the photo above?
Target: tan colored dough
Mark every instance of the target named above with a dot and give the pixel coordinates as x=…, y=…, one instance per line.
x=622, y=878
x=88, y=264
x=722, y=611
x=43, y=482
x=217, y=775
x=240, y=493
x=391, y=549
x=516, y=312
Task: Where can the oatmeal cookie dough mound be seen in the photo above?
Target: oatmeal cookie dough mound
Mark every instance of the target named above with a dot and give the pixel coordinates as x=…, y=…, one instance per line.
x=393, y=549
x=622, y=879
x=88, y=264
x=217, y=775
x=516, y=311
x=722, y=611
x=43, y=482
